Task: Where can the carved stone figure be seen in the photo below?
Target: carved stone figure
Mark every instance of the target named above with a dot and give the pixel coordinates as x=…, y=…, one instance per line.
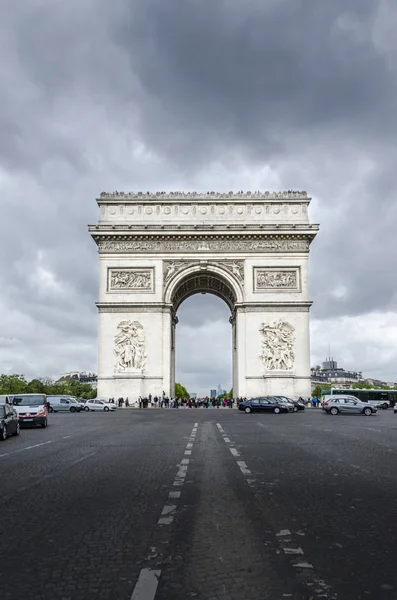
x=170, y=268
x=128, y=279
x=278, y=346
x=276, y=279
x=130, y=347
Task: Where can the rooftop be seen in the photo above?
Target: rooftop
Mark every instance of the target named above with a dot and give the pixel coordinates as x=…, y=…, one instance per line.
x=288, y=194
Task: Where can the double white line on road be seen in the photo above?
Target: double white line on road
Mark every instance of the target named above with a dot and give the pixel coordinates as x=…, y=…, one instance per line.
x=148, y=580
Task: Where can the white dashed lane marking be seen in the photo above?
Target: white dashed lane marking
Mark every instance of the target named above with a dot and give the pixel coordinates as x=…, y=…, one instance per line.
x=284, y=537
x=146, y=585
x=148, y=580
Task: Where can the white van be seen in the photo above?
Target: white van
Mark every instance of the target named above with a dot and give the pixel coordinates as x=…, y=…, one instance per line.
x=6, y=398
x=64, y=404
x=31, y=408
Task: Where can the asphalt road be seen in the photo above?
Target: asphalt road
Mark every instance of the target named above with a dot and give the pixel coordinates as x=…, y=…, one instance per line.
x=204, y=504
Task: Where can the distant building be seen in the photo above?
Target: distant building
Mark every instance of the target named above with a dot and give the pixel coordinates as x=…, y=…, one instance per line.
x=332, y=375
x=330, y=365
x=212, y=393
x=81, y=376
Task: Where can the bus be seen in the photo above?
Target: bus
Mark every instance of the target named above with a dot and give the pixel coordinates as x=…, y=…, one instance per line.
x=381, y=398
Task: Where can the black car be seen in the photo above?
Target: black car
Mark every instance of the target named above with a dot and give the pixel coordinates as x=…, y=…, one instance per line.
x=297, y=405
x=9, y=421
x=265, y=404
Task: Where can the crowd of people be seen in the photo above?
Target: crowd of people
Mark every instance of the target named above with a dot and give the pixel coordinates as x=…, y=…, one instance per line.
x=166, y=402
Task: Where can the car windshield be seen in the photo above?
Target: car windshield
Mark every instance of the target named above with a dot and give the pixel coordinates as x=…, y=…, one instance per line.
x=2, y=411
x=33, y=400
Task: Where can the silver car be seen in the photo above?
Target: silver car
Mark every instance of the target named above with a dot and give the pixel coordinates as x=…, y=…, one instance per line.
x=348, y=405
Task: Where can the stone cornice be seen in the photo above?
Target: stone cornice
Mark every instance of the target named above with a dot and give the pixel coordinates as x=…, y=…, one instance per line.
x=179, y=195
x=108, y=229
x=133, y=307
x=274, y=307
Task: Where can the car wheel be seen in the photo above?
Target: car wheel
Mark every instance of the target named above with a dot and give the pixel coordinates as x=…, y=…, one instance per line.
x=106, y=409
x=247, y=410
x=18, y=430
x=276, y=410
x=295, y=409
x=3, y=433
x=385, y=406
x=44, y=425
x=87, y=408
x=72, y=409
x=334, y=410
x=367, y=411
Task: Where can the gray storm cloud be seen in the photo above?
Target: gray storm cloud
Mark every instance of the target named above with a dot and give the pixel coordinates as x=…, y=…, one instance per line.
x=191, y=95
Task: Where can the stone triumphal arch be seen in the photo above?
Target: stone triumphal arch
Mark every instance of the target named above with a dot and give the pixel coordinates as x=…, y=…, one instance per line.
x=250, y=249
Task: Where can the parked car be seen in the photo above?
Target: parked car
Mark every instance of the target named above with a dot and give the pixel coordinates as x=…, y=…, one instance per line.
x=31, y=409
x=63, y=403
x=264, y=404
x=287, y=401
x=9, y=422
x=348, y=405
x=296, y=404
x=96, y=404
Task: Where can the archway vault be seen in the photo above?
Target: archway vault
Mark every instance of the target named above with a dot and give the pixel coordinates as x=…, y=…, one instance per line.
x=204, y=278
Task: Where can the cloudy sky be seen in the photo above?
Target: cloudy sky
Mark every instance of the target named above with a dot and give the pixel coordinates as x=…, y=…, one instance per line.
x=196, y=95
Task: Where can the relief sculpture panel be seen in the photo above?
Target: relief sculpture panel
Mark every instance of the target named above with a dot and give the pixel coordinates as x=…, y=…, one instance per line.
x=276, y=279
x=278, y=339
x=132, y=280
x=130, y=348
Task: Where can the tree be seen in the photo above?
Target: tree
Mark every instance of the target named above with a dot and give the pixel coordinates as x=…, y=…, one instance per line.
x=319, y=388
x=36, y=387
x=181, y=392
x=13, y=384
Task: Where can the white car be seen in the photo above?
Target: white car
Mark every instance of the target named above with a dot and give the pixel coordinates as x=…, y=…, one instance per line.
x=96, y=404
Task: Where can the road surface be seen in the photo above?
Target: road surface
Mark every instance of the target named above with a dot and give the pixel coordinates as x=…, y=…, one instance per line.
x=202, y=503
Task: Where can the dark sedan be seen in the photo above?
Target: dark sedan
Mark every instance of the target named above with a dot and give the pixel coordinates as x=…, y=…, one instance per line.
x=265, y=404
x=9, y=421
x=297, y=404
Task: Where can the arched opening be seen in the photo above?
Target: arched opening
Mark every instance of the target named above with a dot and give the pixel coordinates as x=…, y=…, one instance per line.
x=211, y=281
x=203, y=345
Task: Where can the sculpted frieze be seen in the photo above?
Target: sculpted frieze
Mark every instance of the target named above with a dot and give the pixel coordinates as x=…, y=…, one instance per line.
x=203, y=244
x=140, y=280
x=276, y=279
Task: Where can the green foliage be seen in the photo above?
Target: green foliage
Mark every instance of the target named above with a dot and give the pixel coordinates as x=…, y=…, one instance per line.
x=13, y=384
x=181, y=392
x=319, y=388
x=17, y=384
x=362, y=386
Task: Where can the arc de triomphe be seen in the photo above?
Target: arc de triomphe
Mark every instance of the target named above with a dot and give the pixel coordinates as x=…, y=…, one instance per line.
x=250, y=249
